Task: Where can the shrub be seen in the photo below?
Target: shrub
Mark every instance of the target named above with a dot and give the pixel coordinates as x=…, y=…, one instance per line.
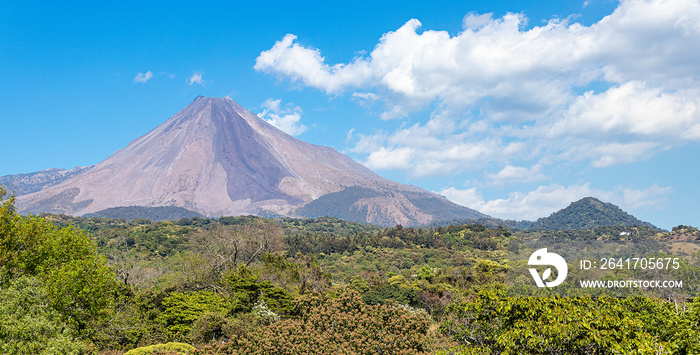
x=169, y=348
x=400, y=293
x=181, y=310
x=208, y=327
x=342, y=325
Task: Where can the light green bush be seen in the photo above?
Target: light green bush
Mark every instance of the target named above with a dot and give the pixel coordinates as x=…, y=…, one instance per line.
x=178, y=348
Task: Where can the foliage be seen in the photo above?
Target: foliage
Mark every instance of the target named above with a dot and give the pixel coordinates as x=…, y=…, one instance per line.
x=246, y=288
x=169, y=348
x=396, y=292
x=495, y=323
x=300, y=275
x=211, y=327
x=150, y=213
x=28, y=325
x=342, y=325
x=265, y=286
x=183, y=309
x=78, y=283
x=326, y=226
x=261, y=310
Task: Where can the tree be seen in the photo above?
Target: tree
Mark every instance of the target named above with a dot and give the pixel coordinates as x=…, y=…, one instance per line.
x=494, y=323
x=183, y=309
x=28, y=325
x=78, y=283
x=228, y=246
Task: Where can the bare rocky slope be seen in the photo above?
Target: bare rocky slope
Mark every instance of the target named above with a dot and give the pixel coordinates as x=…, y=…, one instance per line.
x=216, y=158
x=22, y=184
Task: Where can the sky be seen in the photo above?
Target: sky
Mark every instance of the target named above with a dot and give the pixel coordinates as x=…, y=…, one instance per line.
x=513, y=108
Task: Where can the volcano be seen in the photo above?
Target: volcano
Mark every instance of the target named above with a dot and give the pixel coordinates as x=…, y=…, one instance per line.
x=216, y=158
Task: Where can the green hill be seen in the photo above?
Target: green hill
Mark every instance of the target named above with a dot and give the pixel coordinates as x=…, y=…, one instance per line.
x=588, y=212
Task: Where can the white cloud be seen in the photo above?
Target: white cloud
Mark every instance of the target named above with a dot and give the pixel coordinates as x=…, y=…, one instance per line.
x=516, y=174
x=287, y=118
x=436, y=148
x=470, y=197
x=425, y=150
x=196, y=78
x=632, y=109
x=388, y=159
x=500, y=81
x=307, y=65
x=546, y=200
x=609, y=154
x=473, y=21
x=143, y=77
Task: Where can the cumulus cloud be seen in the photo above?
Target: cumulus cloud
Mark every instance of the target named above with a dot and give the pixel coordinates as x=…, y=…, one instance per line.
x=501, y=87
x=473, y=21
x=287, y=118
x=196, y=78
x=632, y=109
x=440, y=146
x=389, y=159
x=516, y=174
x=545, y=200
x=306, y=64
x=143, y=77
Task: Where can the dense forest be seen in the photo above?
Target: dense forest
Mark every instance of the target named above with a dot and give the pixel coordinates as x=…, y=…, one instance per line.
x=252, y=285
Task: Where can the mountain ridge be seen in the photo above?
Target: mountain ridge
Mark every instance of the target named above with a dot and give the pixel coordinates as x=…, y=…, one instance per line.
x=26, y=183
x=216, y=158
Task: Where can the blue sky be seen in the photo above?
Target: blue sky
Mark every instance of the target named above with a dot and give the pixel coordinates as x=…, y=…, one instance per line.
x=513, y=108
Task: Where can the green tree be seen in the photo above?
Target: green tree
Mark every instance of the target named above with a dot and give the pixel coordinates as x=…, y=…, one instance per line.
x=77, y=281
x=246, y=288
x=495, y=323
x=28, y=325
x=181, y=310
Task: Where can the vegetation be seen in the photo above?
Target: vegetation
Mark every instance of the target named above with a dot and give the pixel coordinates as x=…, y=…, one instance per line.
x=252, y=285
x=150, y=213
x=170, y=348
x=494, y=323
x=588, y=213
x=67, y=287
x=344, y=324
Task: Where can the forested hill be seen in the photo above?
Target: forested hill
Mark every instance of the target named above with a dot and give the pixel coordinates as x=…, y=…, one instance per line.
x=150, y=213
x=586, y=213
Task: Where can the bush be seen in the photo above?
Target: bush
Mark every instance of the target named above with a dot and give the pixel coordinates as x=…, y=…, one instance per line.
x=342, y=325
x=400, y=293
x=210, y=327
x=169, y=348
x=181, y=310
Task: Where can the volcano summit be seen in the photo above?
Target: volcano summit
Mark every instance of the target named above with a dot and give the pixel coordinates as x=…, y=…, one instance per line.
x=217, y=158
